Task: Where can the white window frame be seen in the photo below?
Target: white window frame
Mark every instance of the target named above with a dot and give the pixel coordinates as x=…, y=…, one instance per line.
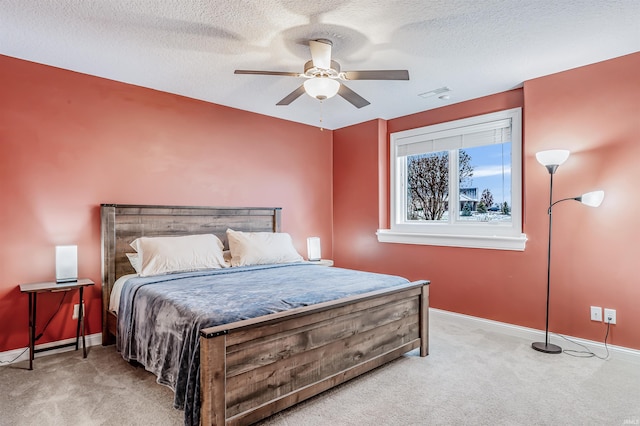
x=488, y=235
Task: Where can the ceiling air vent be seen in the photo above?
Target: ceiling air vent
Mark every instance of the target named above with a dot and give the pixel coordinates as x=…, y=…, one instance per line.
x=435, y=92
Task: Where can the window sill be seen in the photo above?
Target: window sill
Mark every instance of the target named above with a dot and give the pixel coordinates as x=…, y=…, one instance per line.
x=450, y=240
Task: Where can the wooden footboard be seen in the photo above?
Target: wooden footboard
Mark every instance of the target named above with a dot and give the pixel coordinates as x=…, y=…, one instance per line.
x=252, y=369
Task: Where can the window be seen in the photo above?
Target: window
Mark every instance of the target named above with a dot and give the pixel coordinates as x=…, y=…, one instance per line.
x=458, y=183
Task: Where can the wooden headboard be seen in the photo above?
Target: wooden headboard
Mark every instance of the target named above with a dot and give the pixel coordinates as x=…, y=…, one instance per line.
x=121, y=224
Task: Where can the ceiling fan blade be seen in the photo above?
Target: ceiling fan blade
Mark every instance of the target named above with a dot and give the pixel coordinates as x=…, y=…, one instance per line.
x=377, y=75
x=351, y=96
x=281, y=73
x=292, y=96
x=320, y=53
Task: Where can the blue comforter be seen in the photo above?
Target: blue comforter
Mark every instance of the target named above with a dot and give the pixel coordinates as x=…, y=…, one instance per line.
x=160, y=317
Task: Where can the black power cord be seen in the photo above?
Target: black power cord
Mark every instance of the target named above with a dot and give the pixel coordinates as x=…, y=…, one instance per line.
x=41, y=333
x=587, y=353
x=13, y=360
x=51, y=317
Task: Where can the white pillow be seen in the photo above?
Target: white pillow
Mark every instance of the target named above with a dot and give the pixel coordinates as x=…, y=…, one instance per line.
x=164, y=255
x=134, y=259
x=261, y=248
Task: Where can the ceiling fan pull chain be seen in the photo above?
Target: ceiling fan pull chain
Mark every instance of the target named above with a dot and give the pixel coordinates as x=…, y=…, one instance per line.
x=321, y=128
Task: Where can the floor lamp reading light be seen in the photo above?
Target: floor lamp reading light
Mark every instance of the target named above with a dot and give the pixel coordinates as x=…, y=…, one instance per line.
x=552, y=160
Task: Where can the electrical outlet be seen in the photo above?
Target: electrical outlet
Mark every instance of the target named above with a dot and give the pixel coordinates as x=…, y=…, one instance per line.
x=610, y=315
x=75, y=311
x=596, y=313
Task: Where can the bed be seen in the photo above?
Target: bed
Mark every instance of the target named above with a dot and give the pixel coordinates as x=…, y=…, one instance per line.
x=249, y=369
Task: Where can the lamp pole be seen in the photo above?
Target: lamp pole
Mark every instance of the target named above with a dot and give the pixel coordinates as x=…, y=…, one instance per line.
x=547, y=347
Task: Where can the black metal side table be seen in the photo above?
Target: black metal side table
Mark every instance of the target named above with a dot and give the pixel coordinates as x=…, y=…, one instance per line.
x=53, y=287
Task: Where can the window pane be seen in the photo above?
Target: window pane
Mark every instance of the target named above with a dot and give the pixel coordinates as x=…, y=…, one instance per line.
x=427, y=187
x=485, y=183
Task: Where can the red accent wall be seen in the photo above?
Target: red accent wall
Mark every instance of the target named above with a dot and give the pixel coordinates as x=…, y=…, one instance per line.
x=592, y=111
x=69, y=142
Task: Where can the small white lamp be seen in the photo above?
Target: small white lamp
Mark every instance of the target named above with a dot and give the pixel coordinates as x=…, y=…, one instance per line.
x=313, y=249
x=66, y=264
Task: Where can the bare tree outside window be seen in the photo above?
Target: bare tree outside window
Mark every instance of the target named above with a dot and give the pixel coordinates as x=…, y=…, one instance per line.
x=428, y=183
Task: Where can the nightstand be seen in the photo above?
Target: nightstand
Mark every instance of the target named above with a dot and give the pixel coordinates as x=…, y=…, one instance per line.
x=322, y=262
x=53, y=287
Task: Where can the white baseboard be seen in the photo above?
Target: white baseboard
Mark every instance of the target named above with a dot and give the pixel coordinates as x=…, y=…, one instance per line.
x=533, y=335
x=525, y=333
x=22, y=354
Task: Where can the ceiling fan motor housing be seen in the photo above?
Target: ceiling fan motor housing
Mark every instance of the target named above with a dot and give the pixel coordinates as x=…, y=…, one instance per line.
x=311, y=71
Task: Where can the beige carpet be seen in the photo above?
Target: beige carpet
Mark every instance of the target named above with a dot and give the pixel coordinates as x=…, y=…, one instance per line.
x=470, y=377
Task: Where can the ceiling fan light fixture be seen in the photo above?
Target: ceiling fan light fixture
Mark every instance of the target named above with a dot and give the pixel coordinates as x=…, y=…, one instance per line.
x=321, y=88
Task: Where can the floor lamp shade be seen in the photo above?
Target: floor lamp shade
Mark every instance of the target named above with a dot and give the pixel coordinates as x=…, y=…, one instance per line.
x=552, y=157
x=592, y=199
x=66, y=263
x=313, y=249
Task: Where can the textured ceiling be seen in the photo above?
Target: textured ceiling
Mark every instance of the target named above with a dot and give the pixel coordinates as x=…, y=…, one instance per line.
x=192, y=47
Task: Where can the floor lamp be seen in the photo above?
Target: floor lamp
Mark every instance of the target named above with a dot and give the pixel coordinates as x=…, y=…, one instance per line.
x=552, y=159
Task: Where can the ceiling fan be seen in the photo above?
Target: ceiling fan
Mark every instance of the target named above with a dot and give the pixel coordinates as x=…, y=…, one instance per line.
x=323, y=75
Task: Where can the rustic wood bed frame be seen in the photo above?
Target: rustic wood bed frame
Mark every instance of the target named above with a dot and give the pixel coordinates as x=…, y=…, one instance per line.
x=254, y=368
